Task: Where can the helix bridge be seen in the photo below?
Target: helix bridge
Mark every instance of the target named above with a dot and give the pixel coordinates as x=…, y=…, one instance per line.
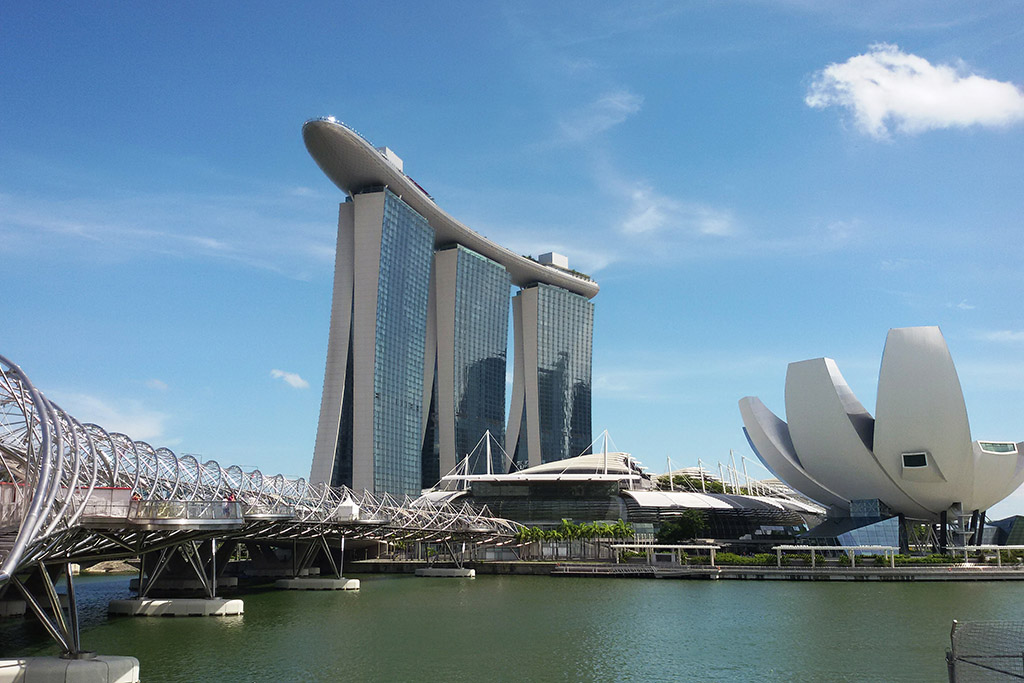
x=74, y=493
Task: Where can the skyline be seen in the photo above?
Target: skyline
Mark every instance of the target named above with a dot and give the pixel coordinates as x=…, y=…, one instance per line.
x=730, y=167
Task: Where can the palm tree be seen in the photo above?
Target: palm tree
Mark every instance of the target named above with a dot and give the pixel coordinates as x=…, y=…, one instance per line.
x=621, y=530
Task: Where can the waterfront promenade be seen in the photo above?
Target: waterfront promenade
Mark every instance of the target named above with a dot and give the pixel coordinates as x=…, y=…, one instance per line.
x=825, y=572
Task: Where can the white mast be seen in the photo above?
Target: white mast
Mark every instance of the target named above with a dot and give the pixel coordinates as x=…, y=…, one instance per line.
x=604, y=450
x=735, y=475
x=487, y=435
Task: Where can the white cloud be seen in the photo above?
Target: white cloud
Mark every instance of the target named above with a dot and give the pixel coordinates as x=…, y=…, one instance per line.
x=156, y=384
x=128, y=417
x=890, y=89
x=896, y=264
x=674, y=377
x=292, y=379
x=964, y=306
x=651, y=213
x=605, y=112
x=1003, y=336
x=280, y=233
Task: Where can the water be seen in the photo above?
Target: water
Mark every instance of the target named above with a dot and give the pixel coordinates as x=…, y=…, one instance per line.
x=403, y=628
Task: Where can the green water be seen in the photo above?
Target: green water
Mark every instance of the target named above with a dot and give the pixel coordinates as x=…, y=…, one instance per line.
x=403, y=628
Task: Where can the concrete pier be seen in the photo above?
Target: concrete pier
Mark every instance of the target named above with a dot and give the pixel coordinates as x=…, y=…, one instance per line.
x=177, y=607
x=447, y=572
x=98, y=669
x=318, y=584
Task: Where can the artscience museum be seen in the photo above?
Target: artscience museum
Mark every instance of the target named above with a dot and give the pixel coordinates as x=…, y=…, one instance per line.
x=913, y=460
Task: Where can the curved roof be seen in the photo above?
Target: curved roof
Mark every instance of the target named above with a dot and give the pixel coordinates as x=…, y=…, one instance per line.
x=916, y=455
x=353, y=164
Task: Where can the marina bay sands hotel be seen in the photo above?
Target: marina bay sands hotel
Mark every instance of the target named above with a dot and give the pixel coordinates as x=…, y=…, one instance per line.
x=417, y=354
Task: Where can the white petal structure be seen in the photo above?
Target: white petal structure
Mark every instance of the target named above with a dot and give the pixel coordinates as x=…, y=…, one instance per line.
x=916, y=456
x=775, y=448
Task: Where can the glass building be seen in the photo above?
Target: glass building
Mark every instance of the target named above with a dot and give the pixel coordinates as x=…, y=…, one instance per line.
x=406, y=251
x=472, y=295
x=379, y=326
x=417, y=352
x=550, y=412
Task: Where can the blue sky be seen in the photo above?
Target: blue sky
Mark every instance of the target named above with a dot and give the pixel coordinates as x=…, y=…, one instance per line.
x=751, y=183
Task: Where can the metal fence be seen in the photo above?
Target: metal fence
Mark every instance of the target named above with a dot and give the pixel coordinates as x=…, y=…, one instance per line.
x=986, y=651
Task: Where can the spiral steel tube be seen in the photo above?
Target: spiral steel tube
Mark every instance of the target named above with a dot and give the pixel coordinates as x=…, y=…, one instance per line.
x=51, y=467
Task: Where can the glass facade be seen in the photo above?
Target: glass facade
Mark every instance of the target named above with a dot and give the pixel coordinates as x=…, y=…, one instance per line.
x=472, y=391
x=885, y=532
x=481, y=342
x=565, y=328
x=406, y=257
x=341, y=475
x=431, y=449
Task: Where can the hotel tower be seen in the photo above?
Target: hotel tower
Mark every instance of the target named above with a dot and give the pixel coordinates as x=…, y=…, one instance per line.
x=417, y=352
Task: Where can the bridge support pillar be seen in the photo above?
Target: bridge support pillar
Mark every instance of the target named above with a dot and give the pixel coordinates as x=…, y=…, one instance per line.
x=97, y=669
x=177, y=607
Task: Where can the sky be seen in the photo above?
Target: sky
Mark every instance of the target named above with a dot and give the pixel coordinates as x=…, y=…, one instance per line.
x=751, y=183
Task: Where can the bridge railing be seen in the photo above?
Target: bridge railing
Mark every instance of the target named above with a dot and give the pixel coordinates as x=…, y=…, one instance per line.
x=12, y=508
x=268, y=511
x=107, y=509
x=10, y=515
x=193, y=510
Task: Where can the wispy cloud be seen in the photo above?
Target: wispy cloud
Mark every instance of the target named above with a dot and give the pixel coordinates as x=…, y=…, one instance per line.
x=281, y=233
x=129, y=416
x=607, y=111
x=290, y=378
x=887, y=89
x=1003, y=336
x=899, y=263
x=156, y=384
x=639, y=225
x=651, y=213
x=671, y=376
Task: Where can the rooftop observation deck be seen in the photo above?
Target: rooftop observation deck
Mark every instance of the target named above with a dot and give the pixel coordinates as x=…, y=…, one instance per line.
x=354, y=164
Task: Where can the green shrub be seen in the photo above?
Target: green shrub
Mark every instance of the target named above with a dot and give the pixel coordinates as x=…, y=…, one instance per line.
x=758, y=560
x=627, y=554
x=1011, y=555
x=904, y=560
x=790, y=558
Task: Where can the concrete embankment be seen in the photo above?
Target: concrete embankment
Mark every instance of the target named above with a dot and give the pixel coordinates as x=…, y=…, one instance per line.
x=960, y=572
x=410, y=566
x=749, y=573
